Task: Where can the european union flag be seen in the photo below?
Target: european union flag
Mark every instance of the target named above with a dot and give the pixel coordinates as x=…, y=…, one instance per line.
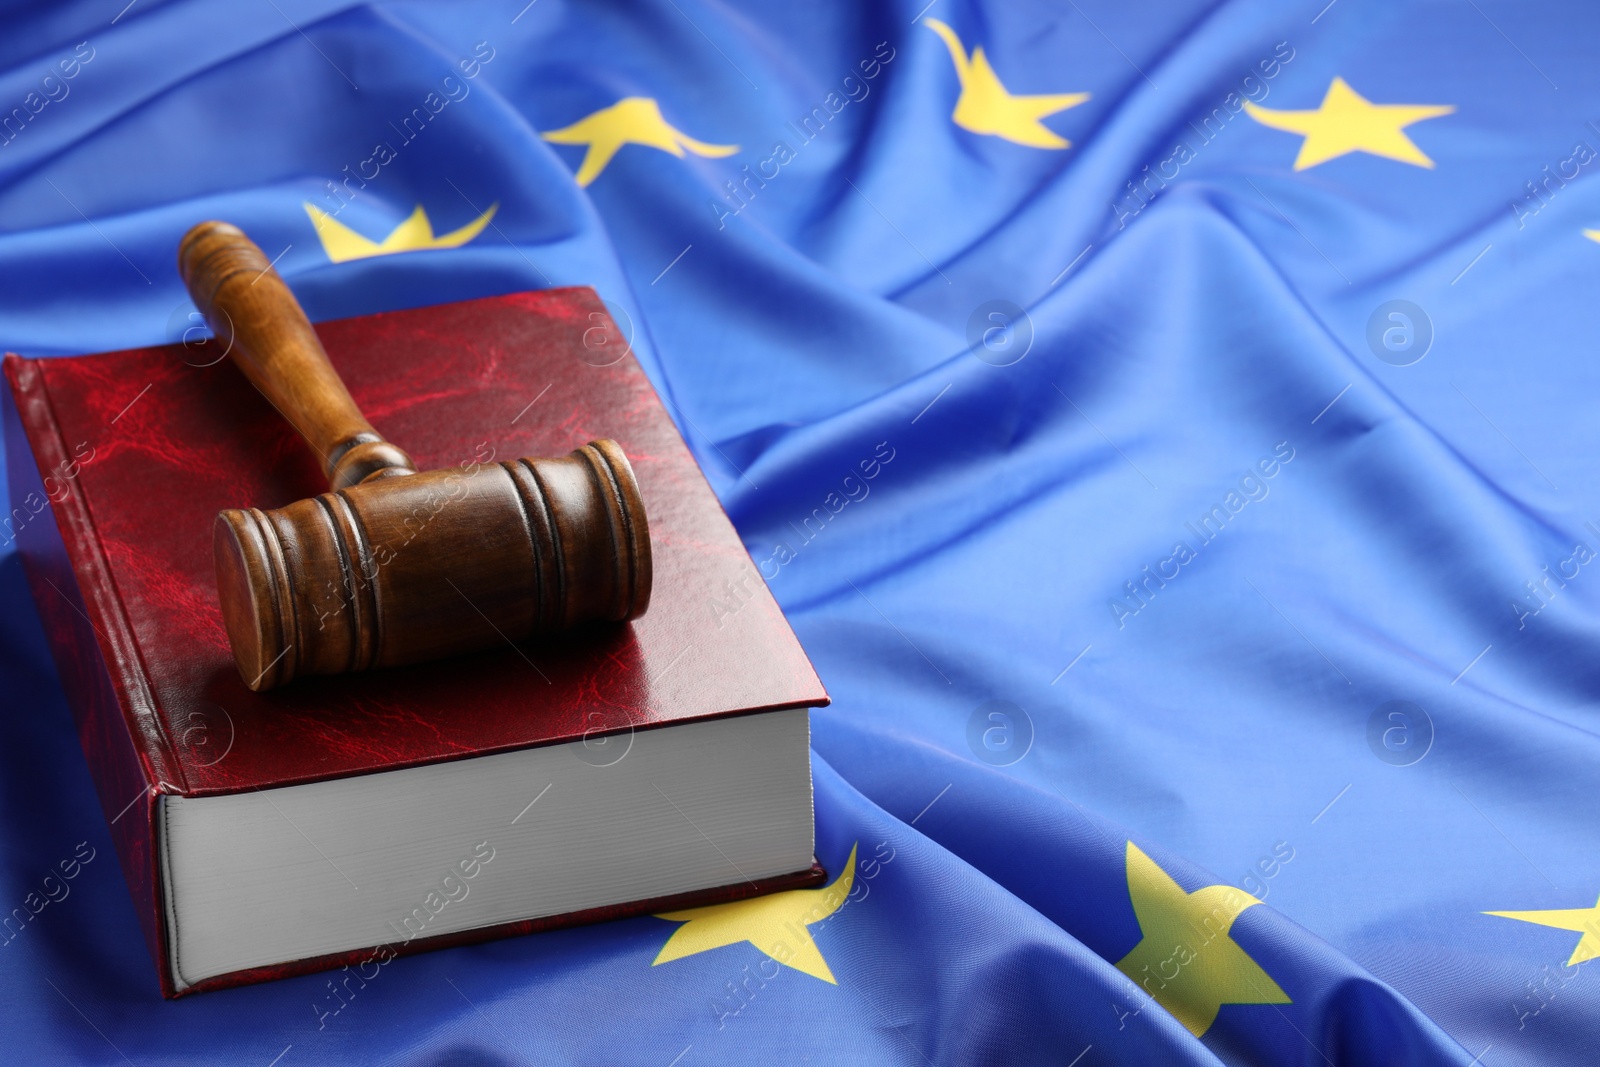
x=1215, y=640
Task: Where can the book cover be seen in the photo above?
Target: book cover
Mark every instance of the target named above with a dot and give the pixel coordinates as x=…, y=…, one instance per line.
x=119, y=462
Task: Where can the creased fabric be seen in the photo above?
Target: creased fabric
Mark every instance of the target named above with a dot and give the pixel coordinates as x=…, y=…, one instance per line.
x=1168, y=427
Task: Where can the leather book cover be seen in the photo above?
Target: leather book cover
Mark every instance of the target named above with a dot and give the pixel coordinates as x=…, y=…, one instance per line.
x=118, y=464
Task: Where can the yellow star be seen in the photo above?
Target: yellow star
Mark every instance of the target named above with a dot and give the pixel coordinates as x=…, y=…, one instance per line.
x=1187, y=960
x=775, y=924
x=415, y=234
x=635, y=120
x=1349, y=122
x=1579, y=920
x=986, y=106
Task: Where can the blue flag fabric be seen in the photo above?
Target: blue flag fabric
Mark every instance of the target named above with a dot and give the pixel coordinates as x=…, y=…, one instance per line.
x=1164, y=425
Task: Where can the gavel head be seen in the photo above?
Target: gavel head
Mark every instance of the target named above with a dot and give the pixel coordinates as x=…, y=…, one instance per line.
x=411, y=567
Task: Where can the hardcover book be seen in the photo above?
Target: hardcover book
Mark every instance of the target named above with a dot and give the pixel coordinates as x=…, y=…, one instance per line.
x=613, y=771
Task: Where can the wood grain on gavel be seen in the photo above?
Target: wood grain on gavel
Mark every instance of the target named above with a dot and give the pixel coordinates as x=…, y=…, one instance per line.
x=393, y=566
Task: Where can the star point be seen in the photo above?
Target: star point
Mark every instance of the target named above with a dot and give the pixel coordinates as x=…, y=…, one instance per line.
x=986, y=106
x=1585, y=921
x=633, y=120
x=1187, y=959
x=776, y=924
x=1348, y=122
x=414, y=234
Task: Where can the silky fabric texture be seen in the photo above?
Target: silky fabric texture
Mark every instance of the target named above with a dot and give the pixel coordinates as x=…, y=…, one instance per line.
x=1184, y=491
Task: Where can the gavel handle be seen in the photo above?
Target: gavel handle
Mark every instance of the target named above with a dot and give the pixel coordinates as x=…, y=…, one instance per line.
x=252, y=311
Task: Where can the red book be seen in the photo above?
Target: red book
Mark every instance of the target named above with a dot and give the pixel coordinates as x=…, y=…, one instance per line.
x=341, y=820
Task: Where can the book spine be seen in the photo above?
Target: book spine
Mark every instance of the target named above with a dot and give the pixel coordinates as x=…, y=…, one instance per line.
x=128, y=753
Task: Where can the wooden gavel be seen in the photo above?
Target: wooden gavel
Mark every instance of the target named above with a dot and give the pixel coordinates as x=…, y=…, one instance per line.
x=392, y=566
